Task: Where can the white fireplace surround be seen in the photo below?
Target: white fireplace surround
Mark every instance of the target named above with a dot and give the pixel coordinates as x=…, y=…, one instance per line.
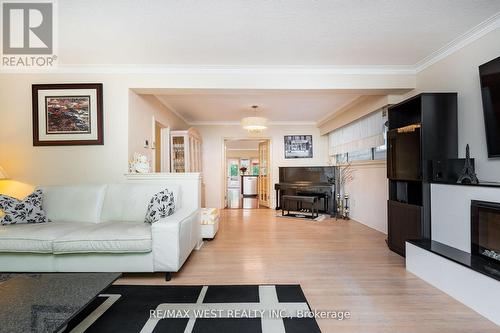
x=451, y=218
x=451, y=225
x=477, y=291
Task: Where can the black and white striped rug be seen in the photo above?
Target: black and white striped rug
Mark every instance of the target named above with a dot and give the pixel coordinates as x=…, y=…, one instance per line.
x=196, y=309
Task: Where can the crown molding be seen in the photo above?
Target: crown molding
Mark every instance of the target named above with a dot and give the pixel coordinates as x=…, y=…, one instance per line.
x=244, y=149
x=341, y=109
x=237, y=123
x=215, y=123
x=209, y=69
x=460, y=42
x=360, y=108
x=292, y=123
x=172, y=109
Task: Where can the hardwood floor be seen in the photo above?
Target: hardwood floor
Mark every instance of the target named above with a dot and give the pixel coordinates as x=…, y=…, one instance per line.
x=236, y=200
x=340, y=266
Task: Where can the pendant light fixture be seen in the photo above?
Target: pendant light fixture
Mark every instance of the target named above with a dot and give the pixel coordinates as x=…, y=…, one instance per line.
x=254, y=124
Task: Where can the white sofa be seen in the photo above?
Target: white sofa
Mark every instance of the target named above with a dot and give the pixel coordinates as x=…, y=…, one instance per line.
x=100, y=228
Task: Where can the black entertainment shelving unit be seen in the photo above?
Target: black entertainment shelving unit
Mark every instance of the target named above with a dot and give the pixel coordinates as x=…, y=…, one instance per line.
x=421, y=129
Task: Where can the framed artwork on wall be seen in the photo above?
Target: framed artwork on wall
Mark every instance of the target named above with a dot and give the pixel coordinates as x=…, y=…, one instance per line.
x=298, y=146
x=67, y=114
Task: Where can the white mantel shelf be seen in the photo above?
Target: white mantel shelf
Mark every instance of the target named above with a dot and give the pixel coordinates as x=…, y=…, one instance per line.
x=194, y=179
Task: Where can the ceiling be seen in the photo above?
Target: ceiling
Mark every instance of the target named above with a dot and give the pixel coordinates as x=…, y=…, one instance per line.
x=302, y=106
x=262, y=33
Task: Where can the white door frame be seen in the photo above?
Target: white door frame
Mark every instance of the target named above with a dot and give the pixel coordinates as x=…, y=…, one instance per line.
x=164, y=144
x=165, y=149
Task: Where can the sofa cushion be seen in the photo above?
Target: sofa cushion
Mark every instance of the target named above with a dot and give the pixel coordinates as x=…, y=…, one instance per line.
x=28, y=210
x=160, y=206
x=36, y=238
x=111, y=237
x=79, y=203
x=129, y=202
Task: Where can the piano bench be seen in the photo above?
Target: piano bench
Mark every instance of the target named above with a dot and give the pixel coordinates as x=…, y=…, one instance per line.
x=300, y=200
x=319, y=195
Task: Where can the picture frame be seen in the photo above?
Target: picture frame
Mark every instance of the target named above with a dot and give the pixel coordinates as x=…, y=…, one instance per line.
x=67, y=114
x=298, y=146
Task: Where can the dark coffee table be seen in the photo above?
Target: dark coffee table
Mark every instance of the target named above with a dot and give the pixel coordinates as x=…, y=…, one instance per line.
x=47, y=302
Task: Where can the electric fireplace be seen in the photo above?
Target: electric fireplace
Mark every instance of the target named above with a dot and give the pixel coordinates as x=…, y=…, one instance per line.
x=485, y=230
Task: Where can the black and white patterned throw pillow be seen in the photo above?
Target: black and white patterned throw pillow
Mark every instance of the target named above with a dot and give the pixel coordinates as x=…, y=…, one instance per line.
x=28, y=210
x=160, y=206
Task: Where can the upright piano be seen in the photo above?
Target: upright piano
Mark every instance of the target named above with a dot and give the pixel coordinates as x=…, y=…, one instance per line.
x=315, y=180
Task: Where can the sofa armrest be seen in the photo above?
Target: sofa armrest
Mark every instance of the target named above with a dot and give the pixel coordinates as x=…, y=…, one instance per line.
x=173, y=239
x=177, y=217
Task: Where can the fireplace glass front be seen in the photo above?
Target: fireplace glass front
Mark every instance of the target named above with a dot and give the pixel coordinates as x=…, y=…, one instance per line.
x=485, y=229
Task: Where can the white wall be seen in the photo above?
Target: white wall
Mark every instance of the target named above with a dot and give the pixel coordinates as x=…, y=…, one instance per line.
x=368, y=195
x=142, y=109
x=213, y=141
x=459, y=73
x=249, y=154
x=108, y=163
x=61, y=165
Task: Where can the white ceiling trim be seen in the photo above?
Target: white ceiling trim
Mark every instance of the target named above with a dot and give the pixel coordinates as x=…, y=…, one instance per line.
x=232, y=123
x=286, y=123
x=339, y=109
x=173, y=110
x=209, y=69
x=460, y=42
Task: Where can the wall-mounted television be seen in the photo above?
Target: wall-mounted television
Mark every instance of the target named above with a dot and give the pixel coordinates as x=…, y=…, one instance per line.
x=490, y=91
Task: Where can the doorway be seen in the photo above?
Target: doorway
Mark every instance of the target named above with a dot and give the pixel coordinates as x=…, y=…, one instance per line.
x=161, y=145
x=246, y=171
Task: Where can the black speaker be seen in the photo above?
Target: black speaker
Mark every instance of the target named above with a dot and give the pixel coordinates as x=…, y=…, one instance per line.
x=449, y=170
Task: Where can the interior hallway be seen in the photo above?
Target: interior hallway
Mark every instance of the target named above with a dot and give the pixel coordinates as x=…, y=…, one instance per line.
x=235, y=200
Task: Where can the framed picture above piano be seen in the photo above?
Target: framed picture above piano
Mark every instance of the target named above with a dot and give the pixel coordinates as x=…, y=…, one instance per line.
x=298, y=146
